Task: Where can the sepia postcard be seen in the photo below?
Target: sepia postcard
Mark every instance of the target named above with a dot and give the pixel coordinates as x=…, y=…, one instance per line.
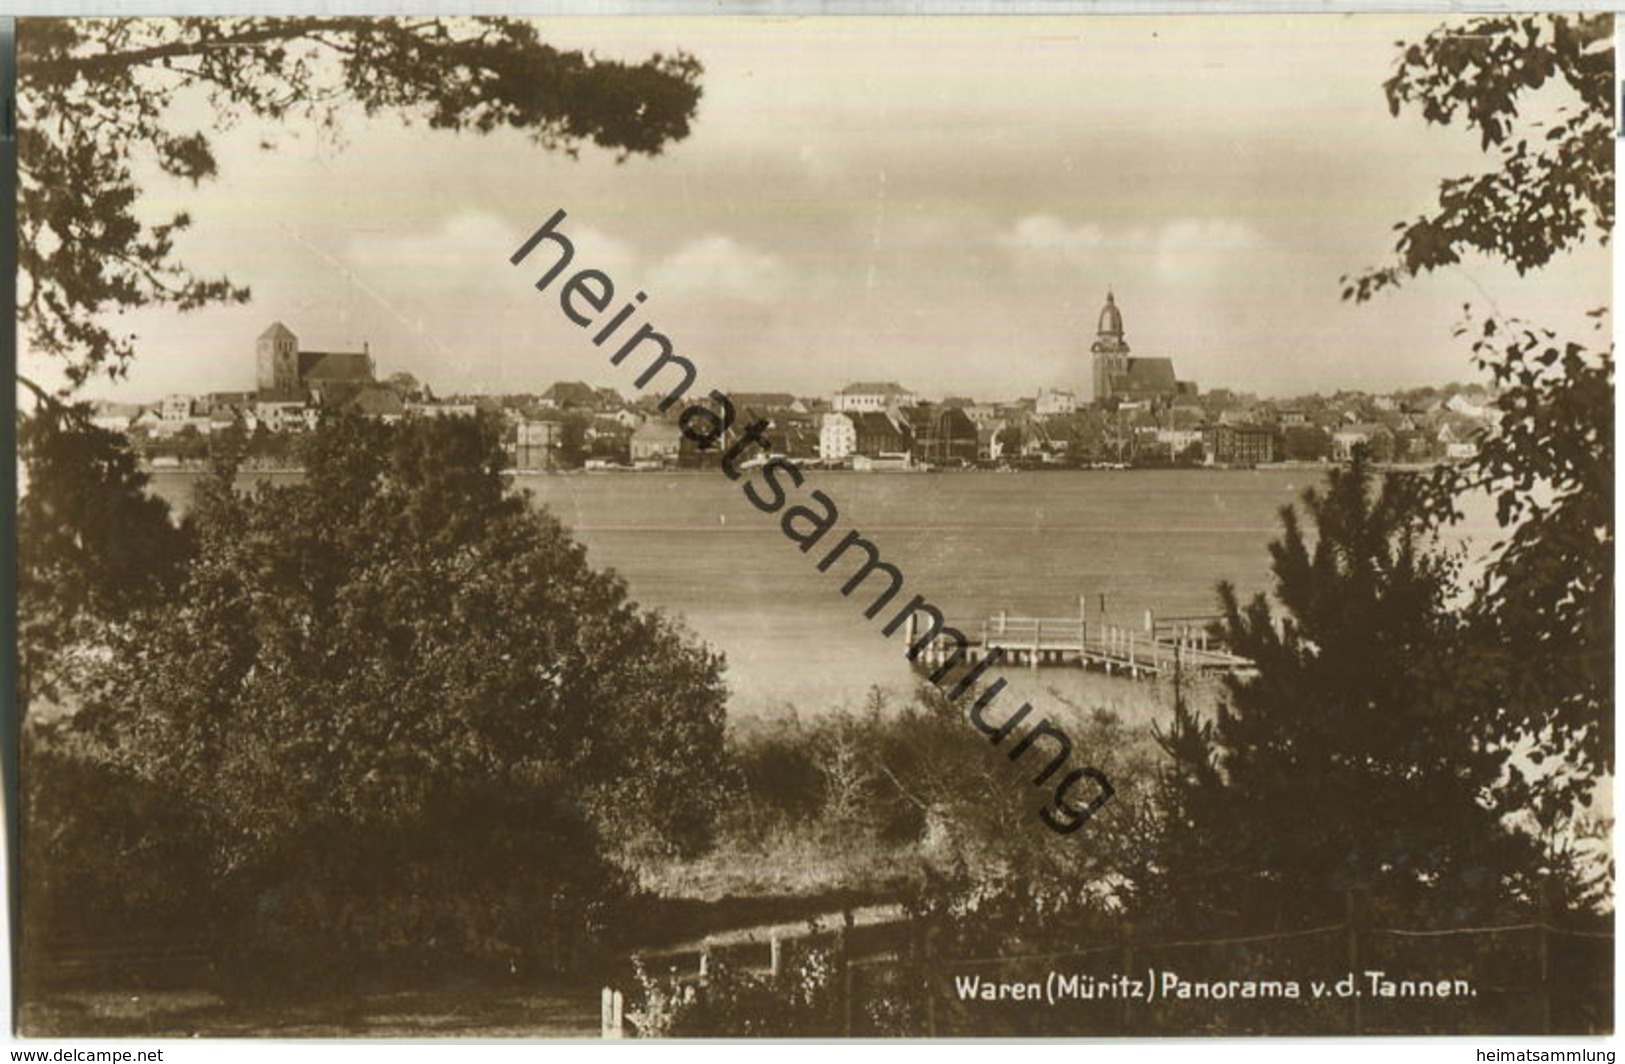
x=735, y=527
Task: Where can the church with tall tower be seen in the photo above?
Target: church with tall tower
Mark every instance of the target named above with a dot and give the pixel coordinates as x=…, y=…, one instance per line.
x=1121, y=378
x=285, y=372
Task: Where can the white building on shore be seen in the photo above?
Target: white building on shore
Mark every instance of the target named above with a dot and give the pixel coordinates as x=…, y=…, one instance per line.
x=837, y=438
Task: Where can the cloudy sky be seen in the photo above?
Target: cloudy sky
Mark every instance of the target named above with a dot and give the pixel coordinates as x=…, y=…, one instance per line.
x=938, y=201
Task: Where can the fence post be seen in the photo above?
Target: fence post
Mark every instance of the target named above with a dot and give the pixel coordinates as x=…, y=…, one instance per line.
x=1123, y=1016
x=1546, y=908
x=928, y=960
x=1357, y=911
x=611, y=1014
x=775, y=955
x=705, y=960
x=847, y=923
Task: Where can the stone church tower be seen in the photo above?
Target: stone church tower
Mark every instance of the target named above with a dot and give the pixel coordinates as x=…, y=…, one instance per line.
x=1110, y=349
x=277, y=352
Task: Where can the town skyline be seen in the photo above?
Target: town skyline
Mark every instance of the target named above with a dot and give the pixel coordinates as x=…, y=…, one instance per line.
x=845, y=210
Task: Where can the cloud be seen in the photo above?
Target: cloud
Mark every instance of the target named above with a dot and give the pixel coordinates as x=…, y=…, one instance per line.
x=1187, y=246
x=1047, y=236
x=722, y=267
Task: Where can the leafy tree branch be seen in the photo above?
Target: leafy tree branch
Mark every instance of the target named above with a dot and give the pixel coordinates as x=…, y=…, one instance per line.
x=96, y=99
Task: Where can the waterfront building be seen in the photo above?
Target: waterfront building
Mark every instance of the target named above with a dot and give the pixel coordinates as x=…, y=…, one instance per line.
x=1056, y=402
x=990, y=440
x=1455, y=443
x=538, y=434
x=1239, y=445
x=876, y=433
x=175, y=407
x=872, y=396
x=1378, y=439
x=942, y=435
x=1179, y=440
x=284, y=414
x=837, y=438
x=571, y=395
x=442, y=409
x=656, y=441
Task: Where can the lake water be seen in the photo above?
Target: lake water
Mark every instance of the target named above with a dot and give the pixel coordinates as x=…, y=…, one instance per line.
x=1031, y=543
x=970, y=543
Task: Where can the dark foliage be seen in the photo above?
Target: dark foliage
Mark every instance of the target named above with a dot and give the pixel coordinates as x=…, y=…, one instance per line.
x=96, y=102
x=402, y=711
x=95, y=547
x=1544, y=609
x=1355, y=757
x=1552, y=187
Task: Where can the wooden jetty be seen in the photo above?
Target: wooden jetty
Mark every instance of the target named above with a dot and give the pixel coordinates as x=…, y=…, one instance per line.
x=1160, y=647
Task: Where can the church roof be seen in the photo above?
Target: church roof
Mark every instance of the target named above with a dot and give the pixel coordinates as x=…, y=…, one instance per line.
x=1148, y=375
x=278, y=331
x=575, y=393
x=334, y=366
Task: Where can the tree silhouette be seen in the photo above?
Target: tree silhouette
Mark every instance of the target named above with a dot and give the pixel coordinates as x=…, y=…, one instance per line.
x=96, y=105
x=1552, y=187
x=396, y=672
x=1351, y=759
x=97, y=548
x=1544, y=607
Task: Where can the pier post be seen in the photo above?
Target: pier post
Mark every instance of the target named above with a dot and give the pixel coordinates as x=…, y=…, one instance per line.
x=1038, y=641
x=1002, y=618
x=611, y=1014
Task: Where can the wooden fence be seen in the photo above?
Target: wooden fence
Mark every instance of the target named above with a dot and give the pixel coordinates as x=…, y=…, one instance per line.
x=1563, y=979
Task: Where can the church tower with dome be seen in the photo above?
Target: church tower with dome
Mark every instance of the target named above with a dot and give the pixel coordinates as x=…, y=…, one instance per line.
x=1121, y=378
x=1110, y=349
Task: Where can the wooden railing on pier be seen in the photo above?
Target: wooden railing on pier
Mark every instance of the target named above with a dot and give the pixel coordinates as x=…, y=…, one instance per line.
x=1161, y=647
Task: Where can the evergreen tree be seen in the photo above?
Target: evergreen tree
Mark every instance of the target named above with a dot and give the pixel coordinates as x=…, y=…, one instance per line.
x=1352, y=758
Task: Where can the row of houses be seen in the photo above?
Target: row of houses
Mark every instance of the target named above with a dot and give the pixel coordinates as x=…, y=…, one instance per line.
x=177, y=415
x=573, y=423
